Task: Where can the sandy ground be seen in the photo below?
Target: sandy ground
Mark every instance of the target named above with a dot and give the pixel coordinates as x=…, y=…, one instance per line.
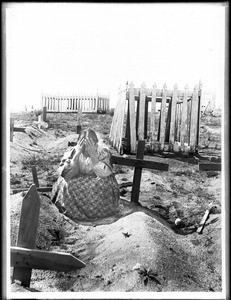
x=169, y=258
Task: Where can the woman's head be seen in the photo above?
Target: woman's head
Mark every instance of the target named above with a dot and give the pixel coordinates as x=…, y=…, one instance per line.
x=89, y=134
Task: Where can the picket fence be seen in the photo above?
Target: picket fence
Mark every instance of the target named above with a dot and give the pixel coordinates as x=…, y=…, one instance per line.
x=87, y=103
x=173, y=127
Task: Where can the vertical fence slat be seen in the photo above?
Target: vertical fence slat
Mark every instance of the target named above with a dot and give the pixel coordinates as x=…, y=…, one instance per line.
x=113, y=130
x=178, y=121
x=132, y=116
x=120, y=121
x=194, y=119
x=183, y=136
x=146, y=118
x=173, y=115
x=162, y=117
x=168, y=121
x=153, y=113
x=141, y=112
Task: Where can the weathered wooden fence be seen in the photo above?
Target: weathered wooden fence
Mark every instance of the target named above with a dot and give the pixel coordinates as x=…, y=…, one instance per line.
x=87, y=103
x=173, y=127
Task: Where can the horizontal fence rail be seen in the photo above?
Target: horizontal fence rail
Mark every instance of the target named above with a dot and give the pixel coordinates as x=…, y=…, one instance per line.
x=87, y=103
x=167, y=119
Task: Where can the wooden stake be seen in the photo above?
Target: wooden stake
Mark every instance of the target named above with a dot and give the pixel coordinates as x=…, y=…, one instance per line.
x=202, y=223
x=35, y=177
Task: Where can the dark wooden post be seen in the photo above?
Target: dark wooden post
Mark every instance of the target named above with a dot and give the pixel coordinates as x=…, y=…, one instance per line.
x=27, y=231
x=44, y=114
x=137, y=173
x=35, y=177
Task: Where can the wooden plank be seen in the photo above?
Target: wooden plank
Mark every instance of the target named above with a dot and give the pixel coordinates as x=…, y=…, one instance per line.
x=117, y=120
x=27, y=231
x=137, y=173
x=202, y=223
x=132, y=117
x=146, y=119
x=127, y=134
x=183, y=134
x=173, y=115
x=209, y=167
x=153, y=114
x=11, y=129
x=137, y=117
x=35, y=177
x=159, y=93
x=121, y=128
x=19, y=129
x=37, y=259
x=39, y=189
x=178, y=122
x=141, y=112
x=189, y=109
x=194, y=118
x=162, y=120
x=168, y=122
x=114, y=124
x=140, y=163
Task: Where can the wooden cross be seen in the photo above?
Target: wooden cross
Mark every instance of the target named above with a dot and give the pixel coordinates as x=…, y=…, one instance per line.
x=139, y=164
x=24, y=257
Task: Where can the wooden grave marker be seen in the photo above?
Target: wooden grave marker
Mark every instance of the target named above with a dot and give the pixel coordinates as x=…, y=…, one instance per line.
x=139, y=164
x=24, y=257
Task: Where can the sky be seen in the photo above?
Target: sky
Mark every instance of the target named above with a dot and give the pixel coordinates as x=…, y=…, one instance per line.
x=72, y=48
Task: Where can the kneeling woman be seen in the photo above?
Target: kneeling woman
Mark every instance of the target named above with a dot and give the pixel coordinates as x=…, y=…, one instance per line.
x=86, y=188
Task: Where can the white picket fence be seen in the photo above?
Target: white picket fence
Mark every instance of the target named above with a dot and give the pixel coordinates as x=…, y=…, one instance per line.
x=87, y=103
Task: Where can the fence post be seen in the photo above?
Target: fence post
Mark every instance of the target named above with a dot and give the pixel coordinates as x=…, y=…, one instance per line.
x=44, y=114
